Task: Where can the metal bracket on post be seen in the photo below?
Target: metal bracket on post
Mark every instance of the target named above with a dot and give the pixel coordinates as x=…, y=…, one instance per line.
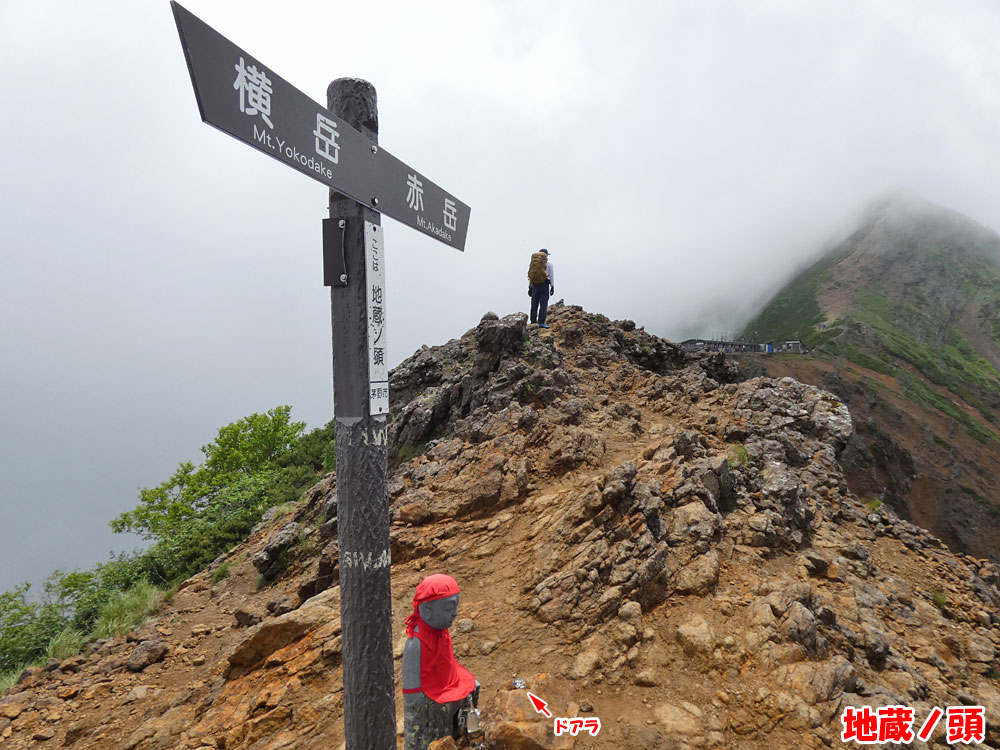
x=334, y=252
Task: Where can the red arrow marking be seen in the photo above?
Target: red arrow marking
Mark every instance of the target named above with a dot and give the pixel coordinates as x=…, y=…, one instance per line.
x=540, y=705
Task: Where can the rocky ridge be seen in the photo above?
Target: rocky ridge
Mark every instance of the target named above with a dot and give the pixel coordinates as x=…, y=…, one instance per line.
x=638, y=534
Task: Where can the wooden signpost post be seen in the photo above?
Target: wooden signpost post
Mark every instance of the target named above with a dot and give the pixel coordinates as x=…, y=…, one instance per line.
x=338, y=146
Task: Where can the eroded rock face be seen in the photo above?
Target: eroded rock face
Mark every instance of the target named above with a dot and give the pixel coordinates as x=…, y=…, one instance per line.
x=271, y=560
x=475, y=376
x=269, y=636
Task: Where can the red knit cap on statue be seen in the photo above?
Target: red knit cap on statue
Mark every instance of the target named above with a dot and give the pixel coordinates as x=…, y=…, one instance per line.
x=442, y=678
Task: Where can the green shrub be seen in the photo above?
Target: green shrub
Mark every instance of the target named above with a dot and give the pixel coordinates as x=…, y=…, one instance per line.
x=126, y=611
x=738, y=455
x=306, y=544
x=191, y=518
x=202, y=512
x=9, y=677
x=223, y=523
x=939, y=600
x=26, y=628
x=412, y=450
x=66, y=643
x=243, y=449
x=221, y=572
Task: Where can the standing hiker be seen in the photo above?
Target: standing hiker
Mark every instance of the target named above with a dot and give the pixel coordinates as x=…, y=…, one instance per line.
x=541, y=284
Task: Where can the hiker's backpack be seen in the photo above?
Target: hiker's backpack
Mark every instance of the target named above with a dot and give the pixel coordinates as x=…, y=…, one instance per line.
x=537, y=271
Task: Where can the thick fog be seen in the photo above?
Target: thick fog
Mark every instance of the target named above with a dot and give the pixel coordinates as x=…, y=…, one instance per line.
x=159, y=279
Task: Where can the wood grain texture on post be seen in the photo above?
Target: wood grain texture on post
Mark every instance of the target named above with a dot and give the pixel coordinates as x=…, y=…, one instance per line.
x=361, y=445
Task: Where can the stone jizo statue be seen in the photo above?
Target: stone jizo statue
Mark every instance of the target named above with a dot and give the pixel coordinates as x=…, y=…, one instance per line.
x=437, y=690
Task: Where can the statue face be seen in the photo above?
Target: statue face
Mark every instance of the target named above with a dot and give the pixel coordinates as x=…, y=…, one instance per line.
x=440, y=613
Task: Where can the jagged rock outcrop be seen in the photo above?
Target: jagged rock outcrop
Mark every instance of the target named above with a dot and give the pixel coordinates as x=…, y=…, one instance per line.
x=645, y=538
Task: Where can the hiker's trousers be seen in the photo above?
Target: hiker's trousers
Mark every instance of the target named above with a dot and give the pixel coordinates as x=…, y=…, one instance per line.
x=539, y=302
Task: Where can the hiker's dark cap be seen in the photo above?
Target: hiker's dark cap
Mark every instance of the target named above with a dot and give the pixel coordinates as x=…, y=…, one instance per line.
x=543, y=250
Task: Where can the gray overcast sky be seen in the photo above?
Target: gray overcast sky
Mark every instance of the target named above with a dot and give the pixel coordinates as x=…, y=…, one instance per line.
x=159, y=279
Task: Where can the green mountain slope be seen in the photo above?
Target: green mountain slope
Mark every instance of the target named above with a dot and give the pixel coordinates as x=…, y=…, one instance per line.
x=914, y=292
x=908, y=309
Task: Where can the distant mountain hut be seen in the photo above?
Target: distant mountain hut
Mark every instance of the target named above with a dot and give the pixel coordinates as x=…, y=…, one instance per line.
x=715, y=345
x=743, y=347
x=789, y=347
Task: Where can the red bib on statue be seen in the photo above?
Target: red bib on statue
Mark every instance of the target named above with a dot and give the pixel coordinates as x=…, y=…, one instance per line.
x=442, y=678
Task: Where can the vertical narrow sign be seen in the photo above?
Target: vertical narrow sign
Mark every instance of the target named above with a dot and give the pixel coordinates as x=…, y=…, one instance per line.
x=378, y=368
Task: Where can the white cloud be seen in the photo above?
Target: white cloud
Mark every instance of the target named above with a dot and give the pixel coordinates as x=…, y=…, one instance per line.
x=159, y=279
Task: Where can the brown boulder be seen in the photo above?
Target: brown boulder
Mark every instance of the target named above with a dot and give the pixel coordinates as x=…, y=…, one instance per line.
x=818, y=682
x=11, y=710
x=264, y=639
x=515, y=725
x=698, y=576
x=246, y=619
x=147, y=653
x=162, y=729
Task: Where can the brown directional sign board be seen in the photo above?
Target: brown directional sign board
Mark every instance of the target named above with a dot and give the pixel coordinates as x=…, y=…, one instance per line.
x=242, y=97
